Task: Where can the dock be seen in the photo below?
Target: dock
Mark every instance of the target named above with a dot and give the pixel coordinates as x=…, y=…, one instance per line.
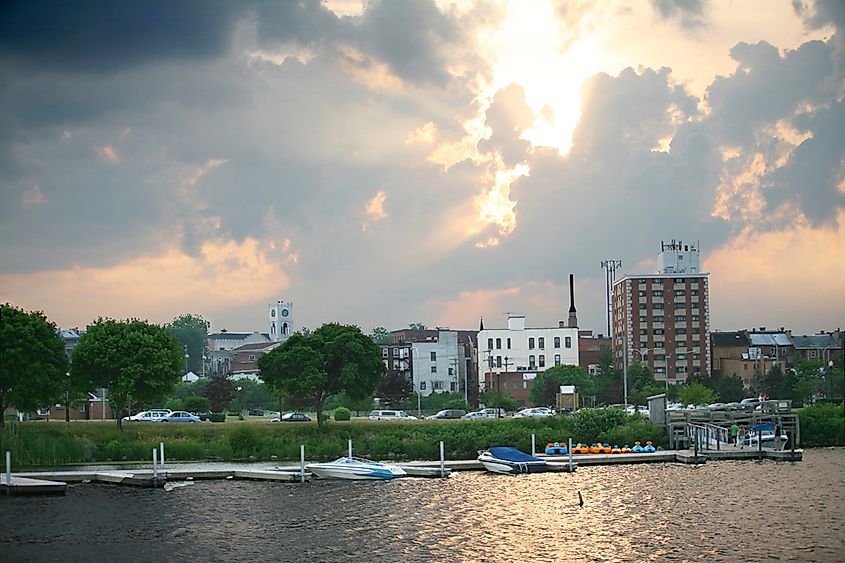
x=29, y=486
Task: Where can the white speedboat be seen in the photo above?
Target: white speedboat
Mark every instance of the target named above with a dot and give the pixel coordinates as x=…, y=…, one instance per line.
x=355, y=468
x=765, y=433
x=510, y=461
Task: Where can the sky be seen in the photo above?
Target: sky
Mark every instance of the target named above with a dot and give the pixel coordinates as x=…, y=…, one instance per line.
x=382, y=163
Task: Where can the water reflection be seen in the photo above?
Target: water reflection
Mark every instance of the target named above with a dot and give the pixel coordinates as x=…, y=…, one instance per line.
x=747, y=511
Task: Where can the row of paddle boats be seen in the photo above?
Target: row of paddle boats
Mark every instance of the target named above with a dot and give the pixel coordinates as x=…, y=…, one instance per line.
x=557, y=448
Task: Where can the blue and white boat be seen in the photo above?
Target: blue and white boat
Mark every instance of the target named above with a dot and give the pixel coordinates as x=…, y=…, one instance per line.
x=510, y=461
x=355, y=468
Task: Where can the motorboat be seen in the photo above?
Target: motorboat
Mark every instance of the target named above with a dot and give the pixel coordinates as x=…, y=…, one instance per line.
x=510, y=461
x=355, y=468
x=763, y=435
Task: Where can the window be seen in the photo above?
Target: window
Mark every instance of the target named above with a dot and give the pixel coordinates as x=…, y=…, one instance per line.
x=658, y=318
x=437, y=385
x=532, y=362
x=498, y=361
x=696, y=343
x=657, y=293
x=657, y=306
x=568, y=342
x=643, y=306
x=252, y=357
x=489, y=343
x=643, y=331
x=680, y=293
x=642, y=281
x=680, y=318
x=681, y=357
x=696, y=330
x=660, y=370
x=642, y=293
x=542, y=361
x=659, y=332
x=422, y=385
x=498, y=344
x=433, y=356
x=694, y=317
x=452, y=386
x=384, y=352
x=509, y=343
x=680, y=331
x=693, y=292
x=451, y=371
x=525, y=385
x=679, y=280
x=643, y=319
x=541, y=343
x=433, y=369
x=557, y=359
x=557, y=341
x=745, y=367
x=682, y=369
x=660, y=357
x=530, y=343
x=696, y=356
x=659, y=344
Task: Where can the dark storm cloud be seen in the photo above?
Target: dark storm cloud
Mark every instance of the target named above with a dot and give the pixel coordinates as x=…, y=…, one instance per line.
x=821, y=12
x=688, y=12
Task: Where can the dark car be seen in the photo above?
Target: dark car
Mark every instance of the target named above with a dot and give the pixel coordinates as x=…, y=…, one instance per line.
x=447, y=414
x=256, y=412
x=293, y=417
x=203, y=415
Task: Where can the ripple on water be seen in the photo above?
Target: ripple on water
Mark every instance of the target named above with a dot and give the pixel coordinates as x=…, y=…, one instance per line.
x=749, y=511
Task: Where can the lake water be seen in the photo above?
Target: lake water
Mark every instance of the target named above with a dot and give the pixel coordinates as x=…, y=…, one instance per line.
x=729, y=510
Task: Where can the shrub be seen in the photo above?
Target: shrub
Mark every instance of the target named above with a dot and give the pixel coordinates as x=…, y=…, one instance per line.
x=244, y=440
x=342, y=414
x=823, y=425
x=217, y=417
x=174, y=404
x=196, y=404
x=588, y=424
x=635, y=431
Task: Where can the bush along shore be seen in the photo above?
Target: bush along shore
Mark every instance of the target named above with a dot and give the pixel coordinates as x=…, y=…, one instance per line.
x=41, y=444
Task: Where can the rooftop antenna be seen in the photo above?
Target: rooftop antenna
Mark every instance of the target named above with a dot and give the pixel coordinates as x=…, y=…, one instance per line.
x=609, y=277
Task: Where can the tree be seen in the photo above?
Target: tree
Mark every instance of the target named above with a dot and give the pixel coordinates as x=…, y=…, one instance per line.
x=417, y=326
x=777, y=384
x=380, y=335
x=395, y=388
x=33, y=362
x=196, y=404
x=191, y=331
x=546, y=385
x=137, y=361
x=641, y=383
x=495, y=398
x=334, y=358
x=696, y=393
x=730, y=389
x=220, y=390
x=608, y=380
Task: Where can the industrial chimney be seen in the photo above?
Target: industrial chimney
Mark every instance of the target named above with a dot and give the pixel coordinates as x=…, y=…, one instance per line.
x=573, y=316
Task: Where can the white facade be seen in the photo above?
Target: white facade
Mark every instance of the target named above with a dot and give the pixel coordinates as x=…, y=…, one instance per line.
x=438, y=365
x=517, y=348
x=678, y=258
x=280, y=320
x=227, y=341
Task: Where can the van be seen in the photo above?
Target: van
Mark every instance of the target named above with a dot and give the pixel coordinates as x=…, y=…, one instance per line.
x=390, y=415
x=447, y=414
x=493, y=413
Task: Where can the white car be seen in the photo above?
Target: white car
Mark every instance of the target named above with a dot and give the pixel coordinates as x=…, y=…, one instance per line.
x=154, y=415
x=390, y=415
x=478, y=415
x=532, y=412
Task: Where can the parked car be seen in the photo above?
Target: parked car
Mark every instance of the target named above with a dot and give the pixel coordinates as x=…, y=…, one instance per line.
x=147, y=416
x=293, y=417
x=535, y=411
x=391, y=415
x=477, y=415
x=494, y=412
x=202, y=415
x=180, y=416
x=272, y=414
x=256, y=412
x=447, y=414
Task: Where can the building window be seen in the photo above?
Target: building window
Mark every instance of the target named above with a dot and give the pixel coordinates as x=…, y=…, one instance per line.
x=658, y=318
x=681, y=357
x=660, y=357
x=498, y=344
x=745, y=367
x=643, y=306
x=542, y=361
x=643, y=331
x=530, y=343
x=657, y=306
x=659, y=332
x=433, y=369
x=657, y=293
x=679, y=280
x=437, y=385
x=660, y=370
x=252, y=357
x=525, y=385
x=532, y=362
x=680, y=331
x=489, y=343
x=642, y=293
x=567, y=342
x=694, y=317
x=682, y=369
x=422, y=385
x=693, y=292
x=452, y=386
x=509, y=343
x=451, y=371
x=642, y=281
x=696, y=330
x=696, y=356
x=541, y=343
x=680, y=293
x=433, y=356
x=659, y=344
x=557, y=359
x=643, y=319
x=498, y=361
x=557, y=341
x=680, y=318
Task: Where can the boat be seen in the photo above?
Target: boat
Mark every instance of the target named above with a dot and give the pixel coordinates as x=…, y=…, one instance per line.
x=510, y=461
x=556, y=449
x=765, y=432
x=581, y=449
x=649, y=448
x=355, y=468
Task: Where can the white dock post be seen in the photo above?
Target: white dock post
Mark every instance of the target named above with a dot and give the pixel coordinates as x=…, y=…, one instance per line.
x=301, y=463
x=442, y=460
x=350, y=447
x=8, y=472
x=569, y=450
x=155, y=464
x=161, y=457
x=533, y=445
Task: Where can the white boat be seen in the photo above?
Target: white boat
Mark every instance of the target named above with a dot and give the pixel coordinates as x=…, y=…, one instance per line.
x=510, y=461
x=765, y=433
x=355, y=468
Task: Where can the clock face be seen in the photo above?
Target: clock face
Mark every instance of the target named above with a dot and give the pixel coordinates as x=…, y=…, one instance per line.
x=272, y=312
x=285, y=312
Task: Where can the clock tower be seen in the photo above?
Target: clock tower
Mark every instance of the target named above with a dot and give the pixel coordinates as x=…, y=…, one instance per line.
x=280, y=320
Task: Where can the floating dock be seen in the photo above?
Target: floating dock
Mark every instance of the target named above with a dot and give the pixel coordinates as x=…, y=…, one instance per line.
x=29, y=486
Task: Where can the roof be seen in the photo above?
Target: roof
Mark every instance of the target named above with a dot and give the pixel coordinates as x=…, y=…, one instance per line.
x=256, y=346
x=769, y=339
x=234, y=335
x=814, y=341
x=725, y=339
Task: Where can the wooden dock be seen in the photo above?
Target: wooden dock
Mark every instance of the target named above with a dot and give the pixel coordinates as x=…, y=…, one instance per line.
x=28, y=486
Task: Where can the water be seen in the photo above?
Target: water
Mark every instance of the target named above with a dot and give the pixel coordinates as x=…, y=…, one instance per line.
x=749, y=511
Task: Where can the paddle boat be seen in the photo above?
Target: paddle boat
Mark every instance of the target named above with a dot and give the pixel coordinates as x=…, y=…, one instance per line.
x=626, y=449
x=355, y=468
x=510, y=461
x=556, y=449
x=616, y=449
x=649, y=448
x=581, y=449
x=637, y=449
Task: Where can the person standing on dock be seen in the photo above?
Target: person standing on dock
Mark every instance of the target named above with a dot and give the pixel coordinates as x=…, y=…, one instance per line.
x=734, y=432
x=741, y=437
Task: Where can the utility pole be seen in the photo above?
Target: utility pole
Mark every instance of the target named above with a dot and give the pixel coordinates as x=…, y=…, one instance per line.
x=609, y=277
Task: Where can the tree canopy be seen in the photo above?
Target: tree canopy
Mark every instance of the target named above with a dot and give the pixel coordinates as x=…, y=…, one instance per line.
x=380, y=335
x=334, y=358
x=137, y=361
x=547, y=384
x=395, y=388
x=33, y=362
x=191, y=331
x=219, y=390
x=696, y=393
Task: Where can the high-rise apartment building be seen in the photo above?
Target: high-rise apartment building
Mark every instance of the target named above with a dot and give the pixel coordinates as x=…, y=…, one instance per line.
x=663, y=319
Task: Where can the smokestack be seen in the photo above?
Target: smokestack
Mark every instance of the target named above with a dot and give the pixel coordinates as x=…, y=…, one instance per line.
x=573, y=316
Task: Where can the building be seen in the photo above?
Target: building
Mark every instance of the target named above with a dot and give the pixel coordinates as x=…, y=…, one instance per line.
x=590, y=348
x=245, y=359
x=436, y=359
x=663, y=319
x=71, y=339
x=726, y=346
x=280, y=319
x=823, y=347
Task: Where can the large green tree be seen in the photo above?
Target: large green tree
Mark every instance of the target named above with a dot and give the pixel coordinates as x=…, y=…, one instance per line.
x=730, y=389
x=192, y=333
x=546, y=384
x=220, y=390
x=696, y=393
x=137, y=361
x=334, y=358
x=395, y=388
x=380, y=335
x=33, y=363
x=608, y=381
